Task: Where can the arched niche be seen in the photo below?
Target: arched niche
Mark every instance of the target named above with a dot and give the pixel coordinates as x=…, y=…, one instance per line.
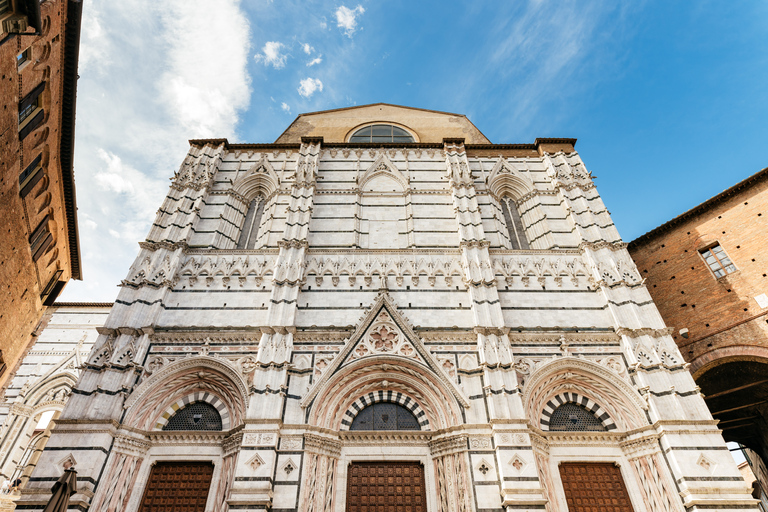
x=382, y=378
x=584, y=378
x=182, y=379
x=520, y=217
x=384, y=218
x=735, y=389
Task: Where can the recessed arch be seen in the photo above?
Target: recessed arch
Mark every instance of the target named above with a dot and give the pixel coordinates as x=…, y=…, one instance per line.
x=179, y=405
x=259, y=179
x=384, y=376
x=505, y=180
x=394, y=397
x=585, y=378
x=181, y=379
x=556, y=403
x=713, y=358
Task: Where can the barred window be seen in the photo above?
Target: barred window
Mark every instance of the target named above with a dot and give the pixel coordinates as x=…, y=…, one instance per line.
x=195, y=416
x=385, y=416
x=571, y=417
x=515, y=229
x=719, y=262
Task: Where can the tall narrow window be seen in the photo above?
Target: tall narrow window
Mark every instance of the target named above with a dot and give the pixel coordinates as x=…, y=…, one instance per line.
x=514, y=224
x=40, y=239
x=250, y=229
x=31, y=111
x=719, y=262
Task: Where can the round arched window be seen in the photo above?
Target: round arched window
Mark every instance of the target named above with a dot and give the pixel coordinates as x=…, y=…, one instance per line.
x=385, y=416
x=571, y=417
x=195, y=416
x=381, y=133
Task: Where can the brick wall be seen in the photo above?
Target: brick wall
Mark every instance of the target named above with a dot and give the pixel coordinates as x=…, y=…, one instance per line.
x=22, y=279
x=719, y=313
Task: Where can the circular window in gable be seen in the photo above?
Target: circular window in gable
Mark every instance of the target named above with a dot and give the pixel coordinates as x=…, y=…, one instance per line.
x=381, y=133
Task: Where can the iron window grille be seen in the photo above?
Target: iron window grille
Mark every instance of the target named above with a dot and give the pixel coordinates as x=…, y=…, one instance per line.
x=571, y=417
x=195, y=416
x=385, y=416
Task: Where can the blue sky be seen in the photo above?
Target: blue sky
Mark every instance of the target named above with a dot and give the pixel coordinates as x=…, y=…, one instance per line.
x=667, y=99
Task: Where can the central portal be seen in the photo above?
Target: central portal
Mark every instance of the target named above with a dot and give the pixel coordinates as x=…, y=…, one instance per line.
x=386, y=487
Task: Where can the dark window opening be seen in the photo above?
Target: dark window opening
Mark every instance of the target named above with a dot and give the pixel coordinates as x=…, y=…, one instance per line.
x=514, y=223
x=385, y=416
x=195, y=416
x=31, y=111
x=40, y=239
x=385, y=133
x=250, y=231
x=572, y=417
x=53, y=289
x=31, y=175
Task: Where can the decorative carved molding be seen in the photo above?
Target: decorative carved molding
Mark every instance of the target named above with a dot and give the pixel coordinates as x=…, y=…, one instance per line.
x=449, y=445
x=259, y=438
x=322, y=445
x=384, y=302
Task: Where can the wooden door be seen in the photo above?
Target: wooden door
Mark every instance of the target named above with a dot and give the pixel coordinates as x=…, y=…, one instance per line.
x=177, y=487
x=386, y=487
x=594, y=487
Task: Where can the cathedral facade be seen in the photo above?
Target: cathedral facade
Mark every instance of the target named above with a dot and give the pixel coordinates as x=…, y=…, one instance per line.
x=382, y=310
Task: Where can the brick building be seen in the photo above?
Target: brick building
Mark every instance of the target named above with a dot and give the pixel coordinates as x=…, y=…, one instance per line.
x=707, y=271
x=40, y=249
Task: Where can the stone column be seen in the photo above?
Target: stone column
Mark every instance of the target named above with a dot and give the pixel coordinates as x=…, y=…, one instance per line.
x=318, y=479
x=492, y=340
x=451, y=463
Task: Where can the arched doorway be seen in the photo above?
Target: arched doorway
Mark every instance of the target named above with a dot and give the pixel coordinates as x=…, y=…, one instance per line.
x=736, y=392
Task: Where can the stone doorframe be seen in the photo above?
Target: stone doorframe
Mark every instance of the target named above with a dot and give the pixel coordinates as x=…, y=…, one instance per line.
x=415, y=450
x=633, y=457
x=415, y=446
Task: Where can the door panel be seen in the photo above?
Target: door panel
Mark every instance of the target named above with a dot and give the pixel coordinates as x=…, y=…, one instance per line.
x=594, y=487
x=177, y=486
x=386, y=487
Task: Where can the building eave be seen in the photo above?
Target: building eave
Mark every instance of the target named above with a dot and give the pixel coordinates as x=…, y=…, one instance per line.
x=83, y=304
x=67, y=132
x=536, y=145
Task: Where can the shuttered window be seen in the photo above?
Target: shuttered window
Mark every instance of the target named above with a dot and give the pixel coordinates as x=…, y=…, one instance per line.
x=40, y=239
x=31, y=175
x=30, y=111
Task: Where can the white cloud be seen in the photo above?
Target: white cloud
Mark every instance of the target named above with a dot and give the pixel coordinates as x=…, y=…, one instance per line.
x=316, y=60
x=271, y=55
x=205, y=103
x=285, y=107
x=307, y=48
x=346, y=18
x=308, y=86
x=153, y=75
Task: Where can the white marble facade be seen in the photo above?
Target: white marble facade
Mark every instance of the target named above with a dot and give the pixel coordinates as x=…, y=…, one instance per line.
x=43, y=382
x=387, y=274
